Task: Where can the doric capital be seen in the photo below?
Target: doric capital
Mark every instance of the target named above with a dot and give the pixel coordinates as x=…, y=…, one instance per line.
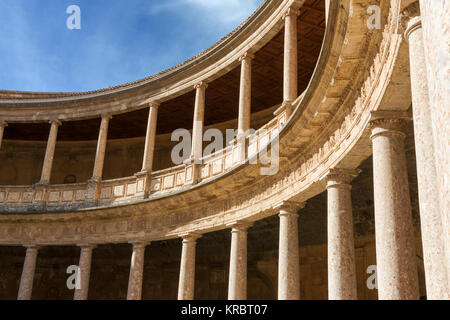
x=201, y=84
x=55, y=122
x=290, y=207
x=291, y=12
x=106, y=116
x=189, y=237
x=338, y=176
x=239, y=225
x=154, y=104
x=139, y=243
x=247, y=56
x=384, y=122
x=3, y=124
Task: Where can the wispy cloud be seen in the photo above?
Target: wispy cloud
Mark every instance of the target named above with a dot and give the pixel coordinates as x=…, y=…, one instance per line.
x=120, y=41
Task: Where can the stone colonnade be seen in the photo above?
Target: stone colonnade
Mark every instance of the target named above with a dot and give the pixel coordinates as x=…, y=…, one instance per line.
x=395, y=245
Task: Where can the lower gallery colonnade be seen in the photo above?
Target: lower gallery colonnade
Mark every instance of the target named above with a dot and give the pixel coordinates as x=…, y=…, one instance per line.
x=397, y=273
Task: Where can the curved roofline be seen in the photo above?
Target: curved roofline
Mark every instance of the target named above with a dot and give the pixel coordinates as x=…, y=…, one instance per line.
x=155, y=77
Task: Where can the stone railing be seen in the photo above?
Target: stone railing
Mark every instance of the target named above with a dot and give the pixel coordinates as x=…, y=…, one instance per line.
x=128, y=189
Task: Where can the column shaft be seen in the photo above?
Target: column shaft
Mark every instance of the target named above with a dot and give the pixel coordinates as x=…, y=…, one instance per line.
x=289, y=258
x=433, y=236
x=136, y=271
x=434, y=15
x=341, y=246
x=3, y=125
x=290, y=81
x=85, y=272
x=101, y=148
x=186, y=285
x=50, y=152
x=237, y=282
x=29, y=267
x=245, y=94
x=199, y=114
x=147, y=164
x=395, y=243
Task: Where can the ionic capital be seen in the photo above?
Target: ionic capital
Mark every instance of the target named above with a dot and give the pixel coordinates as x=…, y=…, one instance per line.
x=239, y=226
x=288, y=207
x=388, y=122
x=87, y=246
x=246, y=56
x=55, y=122
x=137, y=244
x=201, y=84
x=106, y=116
x=291, y=12
x=32, y=246
x=154, y=104
x=189, y=237
x=410, y=19
x=338, y=176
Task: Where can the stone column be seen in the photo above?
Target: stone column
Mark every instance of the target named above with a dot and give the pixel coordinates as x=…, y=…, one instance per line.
x=85, y=271
x=29, y=267
x=290, y=77
x=101, y=148
x=245, y=94
x=186, y=284
x=341, y=245
x=147, y=164
x=3, y=125
x=93, y=185
x=289, y=257
x=395, y=244
x=199, y=115
x=433, y=236
x=136, y=271
x=436, y=25
x=49, y=152
x=237, y=282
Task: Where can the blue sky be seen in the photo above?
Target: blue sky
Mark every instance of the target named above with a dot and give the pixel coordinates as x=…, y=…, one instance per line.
x=119, y=41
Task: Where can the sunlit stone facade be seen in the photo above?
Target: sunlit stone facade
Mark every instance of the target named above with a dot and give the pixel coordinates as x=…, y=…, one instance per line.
x=354, y=118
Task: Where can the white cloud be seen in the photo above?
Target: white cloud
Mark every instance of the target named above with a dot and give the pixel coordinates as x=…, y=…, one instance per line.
x=227, y=13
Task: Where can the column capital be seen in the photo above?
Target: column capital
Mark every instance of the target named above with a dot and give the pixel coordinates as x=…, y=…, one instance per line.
x=32, y=246
x=247, y=56
x=3, y=124
x=106, y=116
x=190, y=236
x=87, y=245
x=339, y=176
x=290, y=207
x=410, y=19
x=239, y=225
x=388, y=122
x=55, y=122
x=154, y=104
x=291, y=12
x=201, y=84
x=139, y=243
